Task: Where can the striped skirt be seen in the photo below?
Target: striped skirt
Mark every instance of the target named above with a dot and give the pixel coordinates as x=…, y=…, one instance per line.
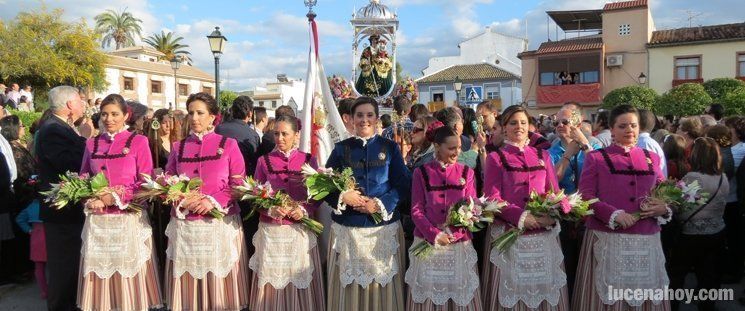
x=585, y=297
x=490, y=280
x=375, y=297
x=211, y=293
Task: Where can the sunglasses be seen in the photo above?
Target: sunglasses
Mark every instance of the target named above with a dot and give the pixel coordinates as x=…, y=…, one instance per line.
x=416, y=130
x=564, y=122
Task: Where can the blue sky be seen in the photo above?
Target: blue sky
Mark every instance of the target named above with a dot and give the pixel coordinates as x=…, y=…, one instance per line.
x=267, y=38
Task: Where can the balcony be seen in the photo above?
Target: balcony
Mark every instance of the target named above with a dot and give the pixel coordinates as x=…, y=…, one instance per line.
x=551, y=95
x=679, y=82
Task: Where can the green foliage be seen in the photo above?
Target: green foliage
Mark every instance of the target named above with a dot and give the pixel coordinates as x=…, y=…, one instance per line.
x=719, y=88
x=120, y=27
x=686, y=99
x=734, y=102
x=637, y=96
x=169, y=44
x=43, y=50
x=226, y=99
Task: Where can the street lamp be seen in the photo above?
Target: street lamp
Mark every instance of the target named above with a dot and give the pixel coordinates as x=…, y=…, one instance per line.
x=457, y=85
x=217, y=44
x=642, y=79
x=175, y=64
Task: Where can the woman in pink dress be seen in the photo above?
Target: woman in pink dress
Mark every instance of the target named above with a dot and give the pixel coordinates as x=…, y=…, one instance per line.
x=530, y=275
x=287, y=271
x=621, y=248
x=207, y=262
x=446, y=279
x=117, y=267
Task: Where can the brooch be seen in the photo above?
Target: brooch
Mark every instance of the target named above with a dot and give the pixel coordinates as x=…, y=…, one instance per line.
x=541, y=163
x=125, y=150
x=220, y=150
x=462, y=181
x=381, y=156
x=649, y=161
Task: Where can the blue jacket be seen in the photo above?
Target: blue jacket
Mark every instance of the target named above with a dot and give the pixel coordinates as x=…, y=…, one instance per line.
x=28, y=216
x=380, y=172
x=570, y=181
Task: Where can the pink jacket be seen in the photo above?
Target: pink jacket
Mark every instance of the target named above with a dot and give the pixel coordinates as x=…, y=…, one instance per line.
x=620, y=180
x=216, y=160
x=122, y=160
x=510, y=174
x=434, y=190
x=283, y=173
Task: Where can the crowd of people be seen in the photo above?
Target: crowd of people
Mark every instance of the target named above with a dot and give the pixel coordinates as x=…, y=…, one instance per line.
x=409, y=170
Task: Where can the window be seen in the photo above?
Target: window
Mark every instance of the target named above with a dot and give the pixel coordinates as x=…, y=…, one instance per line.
x=207, y=89
x=261, y=103
x=687, y=68
x=129, y=84
x=155, y=87
x=741, y=64
x=492, y=92
x=588, y=77
x=274, y=104
x=624, y=30
x=183, y=89
x=438, y=97
x=548, y=78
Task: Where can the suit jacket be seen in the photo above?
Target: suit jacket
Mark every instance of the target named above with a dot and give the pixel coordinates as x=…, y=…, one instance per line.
x=4, y=184
x=267, y=143
x=58, y=149
x=247, y=138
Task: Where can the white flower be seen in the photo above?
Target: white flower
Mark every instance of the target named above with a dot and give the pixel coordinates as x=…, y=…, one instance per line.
x=308, y=170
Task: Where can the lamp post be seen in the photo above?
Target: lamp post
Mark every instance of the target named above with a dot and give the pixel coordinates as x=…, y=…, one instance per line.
x=175, y=64
x=217, y=44
x=642, y=79
x=457, y=85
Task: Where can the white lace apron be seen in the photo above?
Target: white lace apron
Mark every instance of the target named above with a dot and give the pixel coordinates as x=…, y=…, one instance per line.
x=530, y=271
x=366, y=254
x=283, y=255
x=447, y=273
x=628, y=261
x=115, y=243
x=204, y=245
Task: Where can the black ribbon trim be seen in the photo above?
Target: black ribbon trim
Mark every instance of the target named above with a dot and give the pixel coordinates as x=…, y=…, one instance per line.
x=127, y=145
x=216, y=156
x=431, y=188
x=632, y=172
x=524, y=168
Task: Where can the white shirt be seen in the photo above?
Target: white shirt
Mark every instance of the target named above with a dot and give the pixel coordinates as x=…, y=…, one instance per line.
x=646, y=142
x=29, y=96
x=738, y=152
x=605, y=138
x=7, y=152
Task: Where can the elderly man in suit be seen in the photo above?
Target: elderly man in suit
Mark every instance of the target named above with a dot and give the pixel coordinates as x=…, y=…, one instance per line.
x=59, y=149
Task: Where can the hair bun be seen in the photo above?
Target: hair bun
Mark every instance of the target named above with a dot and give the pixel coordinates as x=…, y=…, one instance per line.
x=430, y=133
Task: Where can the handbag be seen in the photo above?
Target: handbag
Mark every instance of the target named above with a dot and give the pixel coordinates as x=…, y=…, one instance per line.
x=673, y=230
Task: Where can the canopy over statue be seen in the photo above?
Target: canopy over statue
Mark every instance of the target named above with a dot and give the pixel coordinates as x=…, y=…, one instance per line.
x=375, y=27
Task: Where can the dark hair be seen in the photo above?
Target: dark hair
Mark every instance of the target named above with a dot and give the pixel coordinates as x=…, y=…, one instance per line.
x=95, y=118
x=241, y=107
x=401, y=104
x=510, y=112
x=441, y=134
x=692, y=126
x=720, y=134
x=284, y=110
x=486, y=105
x=647, y=120
x=137, y=111
x=10, y=126
x=23, y=99
x=114, y=99
x=207, y=99
x=716, y=110
x=469, y=116
x=705, y=157
x=160, y=114
x=738, y=124
x=621, y=110
x=345, y=106
x=386, y=120
x=294, y=122
x=365, y=101
x=449, y=117
x=418, y=111
x=259, y=113
x=674, y=149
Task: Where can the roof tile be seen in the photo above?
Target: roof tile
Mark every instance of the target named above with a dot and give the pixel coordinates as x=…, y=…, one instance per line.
x=624, y=5
x=468, y=73
x=571, y=45
x=681, y=36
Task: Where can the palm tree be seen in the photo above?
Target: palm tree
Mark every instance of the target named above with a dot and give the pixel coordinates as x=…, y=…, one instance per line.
x=169, y=44
x=119, y=27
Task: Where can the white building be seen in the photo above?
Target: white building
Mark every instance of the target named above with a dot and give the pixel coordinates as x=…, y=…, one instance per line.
x=136, y=74
x=283, y=92
x=488, y=47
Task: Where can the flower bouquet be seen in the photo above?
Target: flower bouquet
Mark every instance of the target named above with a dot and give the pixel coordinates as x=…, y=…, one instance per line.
x=685, y=197
x=558, y=206
x=467, y=213
x=74, y=188
x=275, y=202
x=408, y=88
x=324, y=181
x=171, y=190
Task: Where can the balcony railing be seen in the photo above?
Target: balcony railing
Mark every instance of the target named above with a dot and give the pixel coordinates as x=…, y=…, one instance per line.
x=559, y=94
